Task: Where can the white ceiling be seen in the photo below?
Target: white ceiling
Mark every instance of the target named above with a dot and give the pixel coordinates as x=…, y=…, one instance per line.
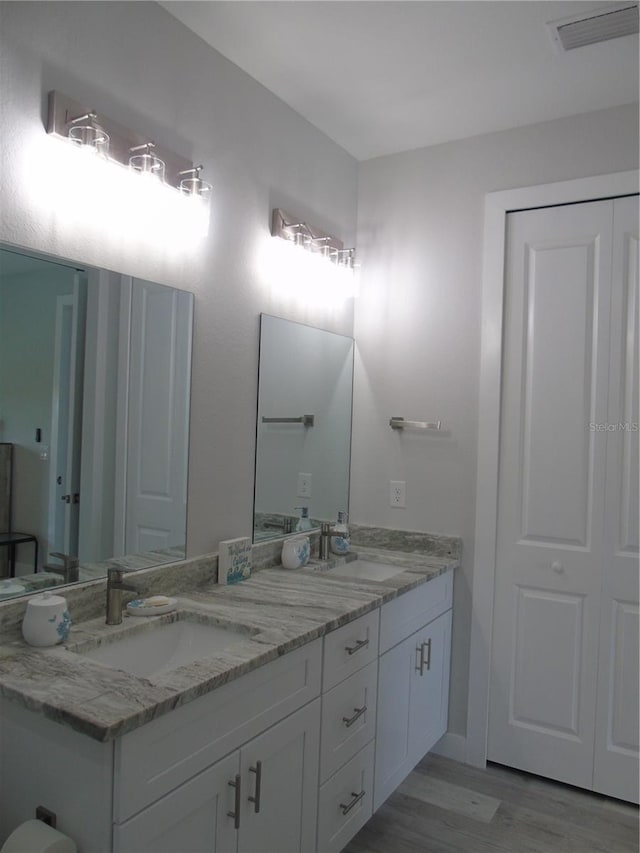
x=380, y=77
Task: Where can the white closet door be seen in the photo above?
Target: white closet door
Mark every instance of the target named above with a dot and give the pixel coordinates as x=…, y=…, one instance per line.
x=551, y=481
x=158, y=417
x=616, y=750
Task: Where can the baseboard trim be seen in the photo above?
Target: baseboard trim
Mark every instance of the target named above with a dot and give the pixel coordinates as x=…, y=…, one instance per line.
x=452, y=746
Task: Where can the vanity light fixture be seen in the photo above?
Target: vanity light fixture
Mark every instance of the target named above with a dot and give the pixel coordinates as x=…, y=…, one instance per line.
x=71, y=120
x=193, y=184
x=294, y=230
x=144, y=160
x=85, y=132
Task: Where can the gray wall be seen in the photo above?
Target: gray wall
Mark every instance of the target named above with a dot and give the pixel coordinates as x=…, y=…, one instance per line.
x=420, y=231
x=140, y=67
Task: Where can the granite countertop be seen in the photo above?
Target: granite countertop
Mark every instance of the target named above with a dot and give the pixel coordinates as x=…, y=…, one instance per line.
x=281, y=611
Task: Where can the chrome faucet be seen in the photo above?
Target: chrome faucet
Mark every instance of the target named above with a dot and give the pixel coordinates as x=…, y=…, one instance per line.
x=115, y=586
x=70, y=568
x=327, y=532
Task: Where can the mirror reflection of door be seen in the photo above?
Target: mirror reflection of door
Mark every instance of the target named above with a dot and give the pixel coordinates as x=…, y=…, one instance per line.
x=155, y=482
x=94, y=417
x=66, y=421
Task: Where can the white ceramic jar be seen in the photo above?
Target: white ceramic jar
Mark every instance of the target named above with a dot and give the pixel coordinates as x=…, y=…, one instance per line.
x=46, y=620
x=295, y=552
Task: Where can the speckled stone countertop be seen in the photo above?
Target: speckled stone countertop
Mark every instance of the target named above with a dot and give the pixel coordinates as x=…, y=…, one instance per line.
x=280, y=611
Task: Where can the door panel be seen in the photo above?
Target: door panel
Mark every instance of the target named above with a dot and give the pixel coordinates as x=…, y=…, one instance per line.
x=192, y=818
x=559, y=304
x=551, y=479
x=616, y=751
x=545, y=691
x=281, y=768
x=429, y=702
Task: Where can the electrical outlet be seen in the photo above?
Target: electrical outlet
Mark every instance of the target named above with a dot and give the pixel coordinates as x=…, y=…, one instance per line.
x=397, y=493
x=304, y=485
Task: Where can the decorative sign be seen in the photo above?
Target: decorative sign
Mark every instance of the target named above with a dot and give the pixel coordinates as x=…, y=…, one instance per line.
x=234, y=560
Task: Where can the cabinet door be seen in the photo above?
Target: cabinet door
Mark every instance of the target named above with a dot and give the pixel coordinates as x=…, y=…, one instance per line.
x=192, y=818
x=429, y=702
x=393, y=758
x=413, y=696
x=280, y=785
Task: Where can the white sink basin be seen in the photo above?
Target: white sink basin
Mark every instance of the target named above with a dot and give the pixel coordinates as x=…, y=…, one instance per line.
x=367, y=570
x=164, y=646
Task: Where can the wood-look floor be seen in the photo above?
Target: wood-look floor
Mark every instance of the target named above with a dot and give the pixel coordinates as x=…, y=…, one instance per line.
x=446, y=807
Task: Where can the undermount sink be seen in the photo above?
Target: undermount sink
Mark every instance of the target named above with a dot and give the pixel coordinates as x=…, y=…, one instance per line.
x=151, y=649
x=366, y=570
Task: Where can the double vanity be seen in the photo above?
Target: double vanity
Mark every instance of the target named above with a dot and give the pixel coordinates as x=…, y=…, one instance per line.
x=275, y=714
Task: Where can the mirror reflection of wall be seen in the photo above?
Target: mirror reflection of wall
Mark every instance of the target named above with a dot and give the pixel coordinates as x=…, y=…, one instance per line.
x=94, y=412
x=303, y=371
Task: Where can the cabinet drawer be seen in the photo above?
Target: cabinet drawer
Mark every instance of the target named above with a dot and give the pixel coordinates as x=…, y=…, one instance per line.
x=350, y=648
x=348, y=719
x=161, y=755
x=409, y=612
x=350, y=790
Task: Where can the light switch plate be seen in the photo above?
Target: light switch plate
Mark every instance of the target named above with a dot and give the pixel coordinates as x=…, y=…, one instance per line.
x=398, y=493
x=304, y=485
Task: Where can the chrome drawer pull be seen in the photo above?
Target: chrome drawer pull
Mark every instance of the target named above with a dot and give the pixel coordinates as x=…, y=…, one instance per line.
x=256, y=800
x=346, y=808
x=428, y=662
x=350, y=650
x=421, y=661
x=236, y=814
x=349, y=721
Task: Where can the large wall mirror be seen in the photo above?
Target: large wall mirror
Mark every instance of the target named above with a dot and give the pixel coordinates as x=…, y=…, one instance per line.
x=303, y=445
x=95, y=373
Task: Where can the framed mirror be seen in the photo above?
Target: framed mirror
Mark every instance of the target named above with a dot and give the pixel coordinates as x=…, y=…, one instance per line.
x=95, y=373
x=303, y=441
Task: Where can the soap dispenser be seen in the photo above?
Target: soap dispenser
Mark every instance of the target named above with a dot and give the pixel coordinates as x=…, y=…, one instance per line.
x=304, y=522
x=340, y=542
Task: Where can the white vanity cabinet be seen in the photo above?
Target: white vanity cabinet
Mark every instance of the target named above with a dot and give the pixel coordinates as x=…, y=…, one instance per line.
x=293, y=756
x=259, y=799
x=413, y=681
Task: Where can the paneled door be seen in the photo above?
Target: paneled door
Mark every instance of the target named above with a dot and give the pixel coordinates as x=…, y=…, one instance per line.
x=158, y=417
x=616, y=745
x=554, y=569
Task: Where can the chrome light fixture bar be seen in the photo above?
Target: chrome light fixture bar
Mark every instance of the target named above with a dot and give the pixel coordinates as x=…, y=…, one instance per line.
x=294, y=230
x=69, y=119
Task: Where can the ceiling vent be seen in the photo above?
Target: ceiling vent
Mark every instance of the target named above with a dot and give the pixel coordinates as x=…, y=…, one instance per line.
x=611, y=22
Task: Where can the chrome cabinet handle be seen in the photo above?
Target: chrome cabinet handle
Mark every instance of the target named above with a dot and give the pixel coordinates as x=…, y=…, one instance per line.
x=236, y=813
x=428, y=661
x=256, y=799
x=346, y=807
x=421, y=661
x=349, y=721
x=350, y=650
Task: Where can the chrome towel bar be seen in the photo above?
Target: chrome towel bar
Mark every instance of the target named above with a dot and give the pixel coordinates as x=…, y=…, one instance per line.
x=400, y=423
x=306, y=420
